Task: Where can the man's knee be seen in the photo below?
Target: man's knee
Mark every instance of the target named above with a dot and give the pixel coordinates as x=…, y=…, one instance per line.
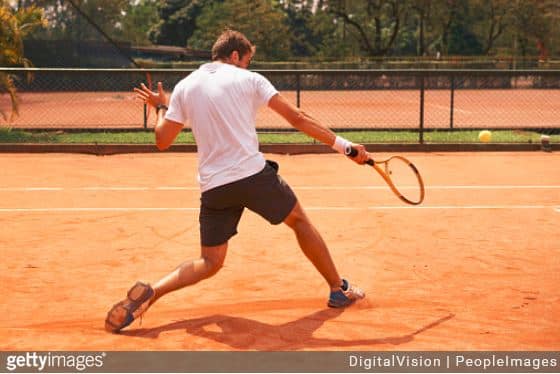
x=297, y=219
x=214, y=257
x=213, y=266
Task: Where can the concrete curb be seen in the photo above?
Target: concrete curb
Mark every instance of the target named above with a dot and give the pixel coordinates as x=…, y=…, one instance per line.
x=111, y=149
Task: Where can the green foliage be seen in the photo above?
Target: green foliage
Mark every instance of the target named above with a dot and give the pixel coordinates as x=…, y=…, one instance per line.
x=178, y=21
x=14, y=27
x=372, y=25
x=321, y=29
x=312, y=31
x=137, y=22
x=255, y=19
x=66, y=22
x=532, y=25
x=460, y=38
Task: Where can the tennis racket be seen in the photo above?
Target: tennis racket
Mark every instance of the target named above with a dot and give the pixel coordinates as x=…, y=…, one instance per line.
x=400, y=174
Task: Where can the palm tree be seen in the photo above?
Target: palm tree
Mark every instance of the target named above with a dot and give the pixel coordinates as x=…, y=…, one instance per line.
x=14, y=26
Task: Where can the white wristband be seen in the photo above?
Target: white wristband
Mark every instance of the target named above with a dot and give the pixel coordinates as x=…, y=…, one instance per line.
x=341, y=145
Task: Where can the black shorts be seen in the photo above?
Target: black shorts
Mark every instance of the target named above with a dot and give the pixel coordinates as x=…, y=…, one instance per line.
x=265, y=193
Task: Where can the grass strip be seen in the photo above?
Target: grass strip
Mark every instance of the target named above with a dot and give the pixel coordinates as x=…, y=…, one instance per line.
x=134, y=137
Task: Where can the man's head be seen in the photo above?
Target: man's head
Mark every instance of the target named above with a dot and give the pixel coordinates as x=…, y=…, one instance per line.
x=233, y=47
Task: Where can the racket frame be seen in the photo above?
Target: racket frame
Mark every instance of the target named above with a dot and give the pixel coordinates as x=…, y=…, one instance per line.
x=388, y=180
x=352, y=152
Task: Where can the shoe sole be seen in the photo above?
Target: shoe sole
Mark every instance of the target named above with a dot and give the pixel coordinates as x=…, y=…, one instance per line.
x=126, y=311
x=338, y=299
x=340, y=305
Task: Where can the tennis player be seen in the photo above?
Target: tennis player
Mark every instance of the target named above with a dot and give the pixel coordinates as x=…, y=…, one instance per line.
x=220, y=100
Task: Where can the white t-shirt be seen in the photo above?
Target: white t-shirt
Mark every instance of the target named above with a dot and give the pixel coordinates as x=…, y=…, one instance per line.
x=221, y=102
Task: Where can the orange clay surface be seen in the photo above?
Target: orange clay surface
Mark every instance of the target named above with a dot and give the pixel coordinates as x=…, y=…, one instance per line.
x=476, y=267
x=344, y=109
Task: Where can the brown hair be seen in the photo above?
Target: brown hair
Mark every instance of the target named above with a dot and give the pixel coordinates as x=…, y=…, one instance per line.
x=229, y=41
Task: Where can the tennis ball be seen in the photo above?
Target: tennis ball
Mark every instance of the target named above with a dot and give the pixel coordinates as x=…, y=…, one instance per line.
x=485, y=136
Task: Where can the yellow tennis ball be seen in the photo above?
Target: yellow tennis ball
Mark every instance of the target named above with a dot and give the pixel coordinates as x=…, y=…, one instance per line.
x=485, y=136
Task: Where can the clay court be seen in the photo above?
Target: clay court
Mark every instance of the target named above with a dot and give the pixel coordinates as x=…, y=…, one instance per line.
x=476, y=267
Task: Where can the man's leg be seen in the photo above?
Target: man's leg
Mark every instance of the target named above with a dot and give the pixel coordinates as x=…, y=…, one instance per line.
x=313, y=246
x=141, y=296
x=190, y=272
x=342, y=293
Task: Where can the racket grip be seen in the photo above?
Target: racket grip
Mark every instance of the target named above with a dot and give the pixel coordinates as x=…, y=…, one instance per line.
x=353, y=152
x=350, y=151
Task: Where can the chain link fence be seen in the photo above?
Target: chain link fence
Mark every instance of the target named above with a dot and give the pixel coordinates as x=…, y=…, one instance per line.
x=418, y=101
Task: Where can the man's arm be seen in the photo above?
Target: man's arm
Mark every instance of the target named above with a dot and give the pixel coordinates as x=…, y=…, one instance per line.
x=310, y=126
x=166, y=130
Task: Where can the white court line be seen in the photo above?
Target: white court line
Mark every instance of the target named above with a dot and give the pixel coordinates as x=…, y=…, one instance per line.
x=318, y=188
x=470, y=187
x=311, y=208
x=109, y=188
x=176, y=188
x=34, y=189
x=445, y=207
x=98, y=188
x=86, y=209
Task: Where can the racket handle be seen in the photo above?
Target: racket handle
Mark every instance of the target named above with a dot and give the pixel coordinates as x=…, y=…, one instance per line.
x=350, y=151
x=353, y=152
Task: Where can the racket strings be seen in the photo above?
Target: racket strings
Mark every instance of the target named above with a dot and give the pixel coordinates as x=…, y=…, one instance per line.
x=404, y=177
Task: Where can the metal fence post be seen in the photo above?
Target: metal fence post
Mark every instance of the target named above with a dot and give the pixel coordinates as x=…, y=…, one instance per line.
x=145, y=116
x=298, y=89
x=452, y=102
x=421, y=132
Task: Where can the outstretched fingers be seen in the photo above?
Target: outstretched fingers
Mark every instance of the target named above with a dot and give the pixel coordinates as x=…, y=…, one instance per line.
x=146, y=95
x=141, y=94
x=149, y=97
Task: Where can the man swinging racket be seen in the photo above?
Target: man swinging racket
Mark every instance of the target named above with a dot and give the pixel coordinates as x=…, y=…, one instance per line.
x=220, y=100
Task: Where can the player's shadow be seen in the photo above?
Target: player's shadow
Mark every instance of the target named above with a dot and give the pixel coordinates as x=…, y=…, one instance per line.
x=248, y=334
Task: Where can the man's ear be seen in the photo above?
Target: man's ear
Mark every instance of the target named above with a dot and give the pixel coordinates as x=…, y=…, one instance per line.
x=234, y=57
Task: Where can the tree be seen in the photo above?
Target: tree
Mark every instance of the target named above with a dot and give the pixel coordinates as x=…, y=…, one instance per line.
x=462, y=40
x=375, y=23
x=552, y=16
x=445, y=13
x=299, y=14
x=531, y=25
x=422, y=9
x=494, y=17
x=312, y=30
x=14, y=27
x=260, y=20
x=178, y=21
x=137, y=21
x=66, y=22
